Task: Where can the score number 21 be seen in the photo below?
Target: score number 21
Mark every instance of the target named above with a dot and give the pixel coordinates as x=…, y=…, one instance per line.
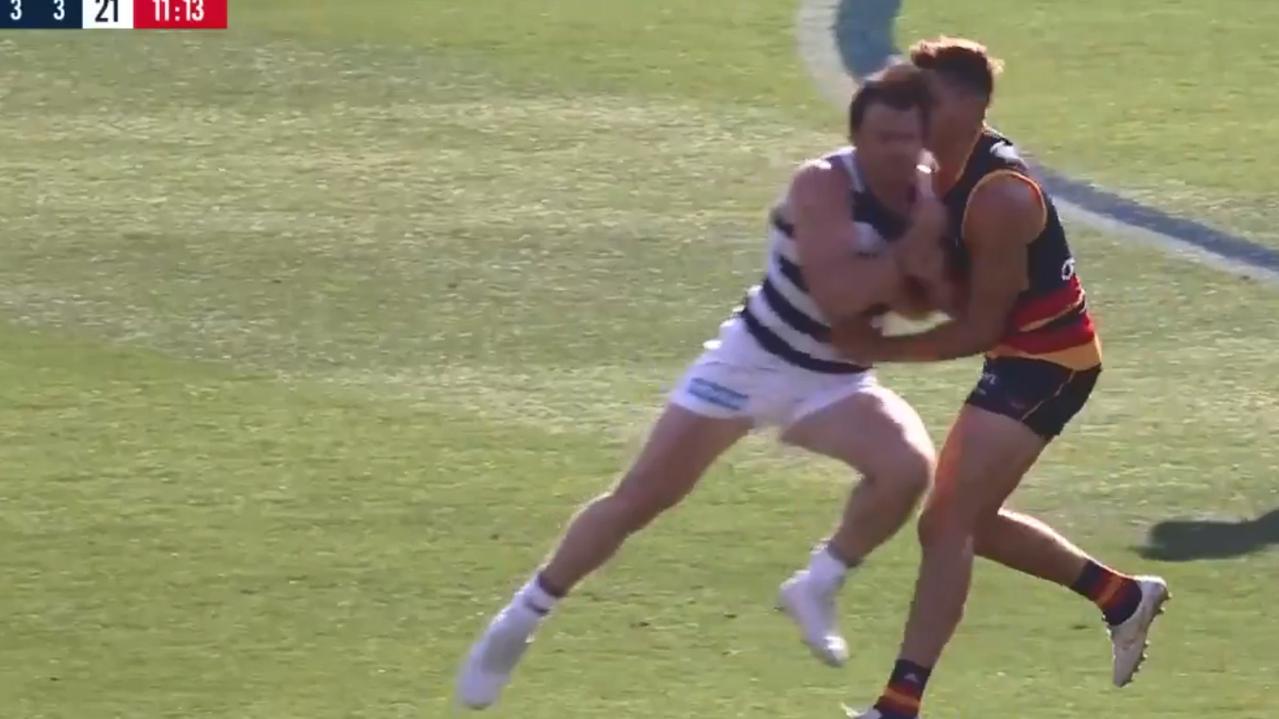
x=103, y=7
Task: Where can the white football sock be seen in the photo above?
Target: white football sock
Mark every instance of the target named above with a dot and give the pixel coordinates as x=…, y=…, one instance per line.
x=827, y=570
x=535, y=598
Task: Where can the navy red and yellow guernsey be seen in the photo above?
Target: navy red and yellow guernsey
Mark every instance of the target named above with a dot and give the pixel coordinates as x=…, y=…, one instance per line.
x=1050, y=320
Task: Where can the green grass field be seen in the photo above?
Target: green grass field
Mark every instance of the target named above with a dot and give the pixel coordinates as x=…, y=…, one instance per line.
x=314, y=333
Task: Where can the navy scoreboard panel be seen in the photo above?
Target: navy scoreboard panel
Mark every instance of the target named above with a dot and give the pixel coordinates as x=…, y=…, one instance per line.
x=113, y=14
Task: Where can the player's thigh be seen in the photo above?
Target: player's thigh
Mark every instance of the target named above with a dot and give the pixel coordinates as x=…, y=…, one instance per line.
x=983, y=460
x=1043, y=396
x=870, y=428
x=1017, y=408
x=680, y=447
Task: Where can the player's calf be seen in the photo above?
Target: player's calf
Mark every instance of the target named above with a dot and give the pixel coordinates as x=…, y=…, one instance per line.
x=945, y=532
x=878, y=434
x=679, y=449
x=881, y=503
x=1128, y=604
x=603, y=525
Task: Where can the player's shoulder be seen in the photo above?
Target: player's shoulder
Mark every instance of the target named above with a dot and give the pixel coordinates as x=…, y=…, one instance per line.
x=833, y=164
x=1001, y=150
x=1007, y=205
x=819, y=178
x=1007, y=191
x=1007, y=185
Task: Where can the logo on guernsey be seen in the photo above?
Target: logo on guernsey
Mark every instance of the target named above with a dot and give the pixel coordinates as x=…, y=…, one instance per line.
x=717, y=394
x=1068, y=269
x=1008, y=153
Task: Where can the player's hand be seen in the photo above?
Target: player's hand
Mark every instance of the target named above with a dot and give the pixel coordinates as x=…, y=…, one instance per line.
x=926, y=174
x=913, y=300
x=929, y=216
x=920, y=252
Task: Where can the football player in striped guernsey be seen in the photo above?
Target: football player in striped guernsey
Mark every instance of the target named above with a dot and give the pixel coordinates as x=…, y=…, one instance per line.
x=857, y=232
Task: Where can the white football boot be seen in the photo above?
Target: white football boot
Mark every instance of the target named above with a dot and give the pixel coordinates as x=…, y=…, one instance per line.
x=1129, y=638
x=812, y=608
x=868, y=714
x=488, y=666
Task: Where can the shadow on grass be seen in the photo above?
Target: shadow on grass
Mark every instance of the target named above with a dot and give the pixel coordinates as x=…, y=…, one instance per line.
x=1186, y=540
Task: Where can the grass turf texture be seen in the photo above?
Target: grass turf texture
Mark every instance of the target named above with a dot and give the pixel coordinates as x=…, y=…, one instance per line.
x=316, y=330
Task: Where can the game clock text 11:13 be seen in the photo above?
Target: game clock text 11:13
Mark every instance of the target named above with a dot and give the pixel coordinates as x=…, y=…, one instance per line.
x=113, y=14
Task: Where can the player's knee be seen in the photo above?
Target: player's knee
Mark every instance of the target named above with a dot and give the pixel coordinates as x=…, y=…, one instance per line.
x=641, y=496
x=907, y=472
x=985, y=537
x=943, y=523
x=911, y=472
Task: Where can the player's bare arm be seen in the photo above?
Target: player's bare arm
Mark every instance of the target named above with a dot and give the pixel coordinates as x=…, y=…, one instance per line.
x=927, y=286
x=1003, y=217
x=843, y=282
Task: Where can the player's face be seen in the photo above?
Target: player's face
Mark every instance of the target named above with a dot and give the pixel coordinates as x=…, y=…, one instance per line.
x=890, y=142
x=952, y=110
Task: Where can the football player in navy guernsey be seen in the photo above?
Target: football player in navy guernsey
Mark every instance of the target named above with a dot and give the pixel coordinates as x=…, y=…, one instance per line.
x=852, y=237
x=1026, y=312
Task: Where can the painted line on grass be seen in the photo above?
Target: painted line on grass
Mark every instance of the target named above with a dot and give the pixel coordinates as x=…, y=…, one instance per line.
x=840, y=40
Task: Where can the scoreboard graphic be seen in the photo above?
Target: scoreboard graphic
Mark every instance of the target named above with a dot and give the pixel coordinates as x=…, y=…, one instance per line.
x=113, y=14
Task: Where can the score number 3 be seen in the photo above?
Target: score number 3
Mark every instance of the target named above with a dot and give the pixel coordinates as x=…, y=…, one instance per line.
x=59, y=10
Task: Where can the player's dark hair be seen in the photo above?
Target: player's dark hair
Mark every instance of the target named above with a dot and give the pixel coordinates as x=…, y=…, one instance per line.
x=960, y=62
x=901, y=87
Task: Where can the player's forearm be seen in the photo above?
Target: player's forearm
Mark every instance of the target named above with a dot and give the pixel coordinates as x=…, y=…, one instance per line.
x=946, y=296
x=948, y=341
x=921, y=258
x=850, y=287
x=920, y=255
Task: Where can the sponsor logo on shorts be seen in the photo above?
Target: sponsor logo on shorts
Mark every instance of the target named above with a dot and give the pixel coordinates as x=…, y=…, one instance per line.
x=991, y=386
x=717, y=394
x=989, y=382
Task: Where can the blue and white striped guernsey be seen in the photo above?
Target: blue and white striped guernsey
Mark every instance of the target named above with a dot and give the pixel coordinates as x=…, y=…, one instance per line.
x=779, y=313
